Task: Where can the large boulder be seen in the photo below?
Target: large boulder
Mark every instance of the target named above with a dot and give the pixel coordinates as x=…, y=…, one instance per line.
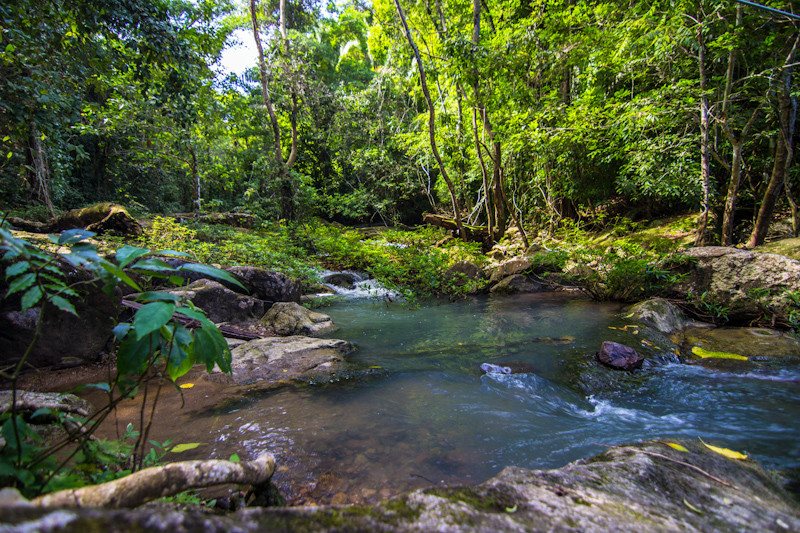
x=289, y=318
x=465, y=272
x=659, y=314
x=641, y=487
x=266, y=284
x=275, y=360
x=518, y=283
x=516, y=265
x=747, y=285
x=65, y=339
x=222, y=304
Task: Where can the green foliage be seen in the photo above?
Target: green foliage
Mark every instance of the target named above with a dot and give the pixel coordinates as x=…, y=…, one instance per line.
x=706, y=304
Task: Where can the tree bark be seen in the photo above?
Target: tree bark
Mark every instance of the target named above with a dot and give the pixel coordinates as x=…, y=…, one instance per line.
x=737, y=142
x=705, y=162
x=431, y=120
x=161, y=481
x=783, y=152
x=262, y=67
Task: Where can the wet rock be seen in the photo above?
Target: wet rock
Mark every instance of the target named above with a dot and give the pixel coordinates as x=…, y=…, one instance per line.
x=65, y=339
x=276, y=360
x=222, y=304
x=749, y=285
x=516, y=265
x=345, y=280
x=660, y=314
x=289, y=318
x=518, y=283
x=508, y=367
x=619, y=356
x=266, y=284
x=641, y=487
x=758, y=344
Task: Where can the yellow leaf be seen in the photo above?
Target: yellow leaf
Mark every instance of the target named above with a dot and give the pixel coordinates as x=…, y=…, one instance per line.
x=511, y=509
x=676, y=446
x=692, y=507
x=611, y=327
x=178, y=448
x=628, y=316
x=730, y=454
x=705, y=354
x=187, y=385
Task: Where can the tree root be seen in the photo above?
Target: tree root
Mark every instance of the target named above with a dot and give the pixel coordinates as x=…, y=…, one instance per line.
x=160, y=481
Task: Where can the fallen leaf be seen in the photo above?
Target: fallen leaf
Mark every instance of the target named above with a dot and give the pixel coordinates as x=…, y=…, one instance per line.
x=730, y=454
x=511, y=509
x=692, y=507
x=706, y=354
x=187, y=385
x=178, y=448
x=676, y=446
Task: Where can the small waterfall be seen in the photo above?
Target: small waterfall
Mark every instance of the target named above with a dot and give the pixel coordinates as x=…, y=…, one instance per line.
x=351, y=284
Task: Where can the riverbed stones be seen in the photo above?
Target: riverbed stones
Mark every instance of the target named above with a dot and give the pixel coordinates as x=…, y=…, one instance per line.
x=276, y=360
x=289, y=318
x=746, y=285
x=660, y=314
x=639, y=487
x=619, y=357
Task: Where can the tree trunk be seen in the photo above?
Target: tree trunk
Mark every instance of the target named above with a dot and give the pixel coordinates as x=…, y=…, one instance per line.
x=737, y=142
x=431, y=120
x=783, y=152
x=705, y=162
x=41, y=173
x=161, y=481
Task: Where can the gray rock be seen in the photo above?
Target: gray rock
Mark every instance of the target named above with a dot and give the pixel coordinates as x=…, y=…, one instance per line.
x=289, y=318
x=515, y=265
x=518, y=283
x=641, y=487
x=222, y=304
x=660, y=314
x=749, y=285
x=266, y=284
x=47, y=426
x=464, y=272
x=345, y=280
x=276, y=360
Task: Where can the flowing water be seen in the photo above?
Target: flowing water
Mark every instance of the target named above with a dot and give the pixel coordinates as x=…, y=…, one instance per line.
x=426, y=414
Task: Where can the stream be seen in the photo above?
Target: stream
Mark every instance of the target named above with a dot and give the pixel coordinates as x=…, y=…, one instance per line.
x=424, y=413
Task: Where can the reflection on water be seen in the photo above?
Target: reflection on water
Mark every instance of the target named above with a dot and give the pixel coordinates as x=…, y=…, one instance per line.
x=433, y=416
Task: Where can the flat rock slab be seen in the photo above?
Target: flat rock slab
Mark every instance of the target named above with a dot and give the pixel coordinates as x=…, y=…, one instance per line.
x=641, y=487
x=275, y=361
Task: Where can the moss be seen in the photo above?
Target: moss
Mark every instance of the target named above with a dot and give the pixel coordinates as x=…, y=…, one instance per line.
x=492, y=500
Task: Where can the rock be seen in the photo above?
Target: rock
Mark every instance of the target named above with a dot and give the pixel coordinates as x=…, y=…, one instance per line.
x=508, y=367
x=516, y=265
x=660, y=314
x=748, y=285
x=641, y=487
x=464, y=272
x=345, y=280
x=222, y=304
x=47, y=426
x=65, y=339
x=289, y=318
x=518, y=283
x=619, y=356
x=759, y=344
x=276, y=360
x=266, y=284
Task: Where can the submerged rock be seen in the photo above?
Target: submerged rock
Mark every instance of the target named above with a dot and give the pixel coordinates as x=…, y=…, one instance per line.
x=642, y=487
x=619, y=356
x=275, y=360
x=289, y=318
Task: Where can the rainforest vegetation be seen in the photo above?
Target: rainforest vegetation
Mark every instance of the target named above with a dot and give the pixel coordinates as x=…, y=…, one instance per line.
x=528, y=113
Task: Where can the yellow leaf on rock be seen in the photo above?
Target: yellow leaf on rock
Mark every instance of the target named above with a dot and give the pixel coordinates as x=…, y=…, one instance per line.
x=692, y=507
x=706, y=354
x=730, y=454
x=676, y=446
x=178, y=448
x=187, y=385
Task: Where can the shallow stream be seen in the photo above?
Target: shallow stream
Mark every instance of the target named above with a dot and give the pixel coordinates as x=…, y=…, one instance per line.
x=425, y=414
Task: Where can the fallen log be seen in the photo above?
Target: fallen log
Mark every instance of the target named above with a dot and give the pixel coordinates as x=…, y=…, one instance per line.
x=161, y=481
x=474, y=233
x=98, y=218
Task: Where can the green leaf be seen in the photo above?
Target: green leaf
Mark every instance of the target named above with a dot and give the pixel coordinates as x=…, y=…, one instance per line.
x=178, y=448
x=30, y=298
x=43, y=411
x=102, y=386
x=180, y=361
x=17, y=268
x=151, y=317
x=119, y=274
x=210, y=348
x=74, y=235
x=134, y=353
x=172, y=253
x=214, y=272
x=152, y=265
x=128, y=254
x=63, y=304
x=121, y=329
x=234, y=458
x=196, y=314
x=157, y=296
x=21, y=283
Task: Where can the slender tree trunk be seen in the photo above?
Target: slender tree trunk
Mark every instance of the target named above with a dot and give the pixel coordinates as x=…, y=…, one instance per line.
x=431, y=120
x=195, y=179
x=737, y=142
x=262, y=67
x=41, y=172
x=783, y=152
x=705, y=162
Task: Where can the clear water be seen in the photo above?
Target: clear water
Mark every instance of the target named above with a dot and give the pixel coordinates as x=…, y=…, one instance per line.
x=429, y=415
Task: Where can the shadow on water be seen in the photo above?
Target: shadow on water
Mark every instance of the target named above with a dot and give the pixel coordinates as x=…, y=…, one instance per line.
x=431, y=416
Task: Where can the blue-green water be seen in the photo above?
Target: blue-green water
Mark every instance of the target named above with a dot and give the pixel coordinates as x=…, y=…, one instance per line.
x=429, y=415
